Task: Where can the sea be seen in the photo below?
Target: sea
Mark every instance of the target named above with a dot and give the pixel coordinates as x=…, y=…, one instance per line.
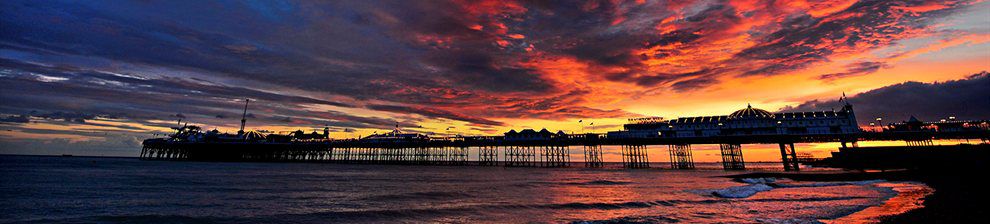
x=53, y=189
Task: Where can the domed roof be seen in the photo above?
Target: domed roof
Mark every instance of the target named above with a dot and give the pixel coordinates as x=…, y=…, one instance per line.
x=750, y=112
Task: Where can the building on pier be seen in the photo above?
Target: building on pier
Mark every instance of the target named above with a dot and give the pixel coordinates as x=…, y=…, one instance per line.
x=949, y=124
x=396, y=136
x=530, y=134
x=746, y=121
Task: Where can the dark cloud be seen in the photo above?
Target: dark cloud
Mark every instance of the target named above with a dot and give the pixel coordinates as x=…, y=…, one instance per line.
x=866, y=25
x=478, y=69
x=434, y=112
x=75, y=117
x=965, y=99
x=693, y=83
x=856, y=69
x=283, y=119
x=556, y=107
x=16, y=119
x=140, y=98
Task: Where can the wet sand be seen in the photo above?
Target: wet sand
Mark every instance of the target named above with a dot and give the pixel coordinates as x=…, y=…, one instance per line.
x=945, y=197
x=910, y=196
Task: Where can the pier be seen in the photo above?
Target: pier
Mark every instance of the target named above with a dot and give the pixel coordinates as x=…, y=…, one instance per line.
x=498, y=151
x=531, y=148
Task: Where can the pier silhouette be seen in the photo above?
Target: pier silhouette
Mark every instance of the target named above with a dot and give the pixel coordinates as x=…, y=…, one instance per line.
x=497, y=150
x=543, y=148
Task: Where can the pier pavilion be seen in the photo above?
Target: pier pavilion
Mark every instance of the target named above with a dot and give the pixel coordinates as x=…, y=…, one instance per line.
x=748, y=121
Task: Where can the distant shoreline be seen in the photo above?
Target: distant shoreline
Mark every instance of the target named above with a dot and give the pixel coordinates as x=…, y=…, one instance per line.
x=80, y=156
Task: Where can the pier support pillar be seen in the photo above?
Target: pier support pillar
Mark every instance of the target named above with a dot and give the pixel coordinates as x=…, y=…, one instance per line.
x=788, y=156
x=919, y=142
x=419, y=156
x=555, y=156
x=461, y=156
x=409, y=155
x=520, y=156
x=732, y=157
x=635, y=156
x=511, y=155
x=435, y=155
x=488, y=155
x=845, y=144
x=593, y=156
x=680, y=157
x=348, y=155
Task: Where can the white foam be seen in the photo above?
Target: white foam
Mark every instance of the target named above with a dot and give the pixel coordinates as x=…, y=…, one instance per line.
x=761, y=180
x=742, y=191
x=757, y=185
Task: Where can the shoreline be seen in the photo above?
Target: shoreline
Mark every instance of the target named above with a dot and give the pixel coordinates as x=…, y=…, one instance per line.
x=909, y=196
x=948, y=198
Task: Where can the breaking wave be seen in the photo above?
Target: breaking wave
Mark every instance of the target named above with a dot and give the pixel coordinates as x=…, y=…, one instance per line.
x=742, y=191
x=632, y=219
x=605, y=182
x=757, y=185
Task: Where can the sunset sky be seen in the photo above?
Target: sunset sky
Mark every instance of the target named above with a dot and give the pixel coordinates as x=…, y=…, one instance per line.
x=96, y=77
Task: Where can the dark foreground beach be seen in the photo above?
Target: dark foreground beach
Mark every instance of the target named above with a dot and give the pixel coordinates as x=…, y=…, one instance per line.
x=956, y=197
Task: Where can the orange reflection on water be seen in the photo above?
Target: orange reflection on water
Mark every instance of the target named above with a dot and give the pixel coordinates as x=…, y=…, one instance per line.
x=910, y=196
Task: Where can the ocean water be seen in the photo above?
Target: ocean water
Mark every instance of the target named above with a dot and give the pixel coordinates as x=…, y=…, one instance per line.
x=125, y=190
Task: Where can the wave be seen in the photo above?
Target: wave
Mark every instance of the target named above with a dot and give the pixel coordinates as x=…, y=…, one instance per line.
x=359, y=216
x=134, y=219
x=759, y=180
x=585, y=183
x=804, y=199
x=757, y=185
x=419, y=195
x=741, y=191
x=605, y=182
x=603, y=206
x=632, y=219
